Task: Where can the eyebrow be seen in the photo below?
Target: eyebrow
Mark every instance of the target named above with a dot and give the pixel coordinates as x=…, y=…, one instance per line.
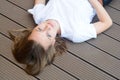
x=39, y=29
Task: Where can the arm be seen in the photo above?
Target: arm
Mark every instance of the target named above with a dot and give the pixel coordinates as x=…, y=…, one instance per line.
x=101, y=1
x=105, y=20
x=39, y=1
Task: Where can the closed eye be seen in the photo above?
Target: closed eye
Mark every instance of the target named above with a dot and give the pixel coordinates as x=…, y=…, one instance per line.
x=49, y=36
x=38, y=29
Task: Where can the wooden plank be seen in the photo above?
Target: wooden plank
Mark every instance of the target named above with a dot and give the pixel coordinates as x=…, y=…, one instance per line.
x=107, y=44
x=53, y=73
x=5, y=49
x=115, y=4
x=8, y=71
x=7, y=25
x=114, y=32
x=96, y=57
x=17, y=14
x=26, y=4
x=80, y=69
x=115, y=14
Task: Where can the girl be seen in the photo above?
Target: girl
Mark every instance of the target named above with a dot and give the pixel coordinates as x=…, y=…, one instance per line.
x=70, y=19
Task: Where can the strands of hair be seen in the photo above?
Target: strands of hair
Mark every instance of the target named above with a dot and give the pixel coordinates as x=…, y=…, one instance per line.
x=31, y=53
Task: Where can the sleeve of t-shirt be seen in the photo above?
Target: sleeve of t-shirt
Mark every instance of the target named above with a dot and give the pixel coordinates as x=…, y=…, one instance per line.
x=84, y=33
x=35, y=11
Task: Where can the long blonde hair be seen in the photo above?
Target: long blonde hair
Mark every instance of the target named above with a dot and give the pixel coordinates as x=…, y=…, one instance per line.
x=31, y=53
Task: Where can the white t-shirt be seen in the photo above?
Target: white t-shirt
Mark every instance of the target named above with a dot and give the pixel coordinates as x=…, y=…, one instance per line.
x=74, y=17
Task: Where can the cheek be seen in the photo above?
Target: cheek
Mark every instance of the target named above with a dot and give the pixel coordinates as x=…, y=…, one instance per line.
x=53, y=34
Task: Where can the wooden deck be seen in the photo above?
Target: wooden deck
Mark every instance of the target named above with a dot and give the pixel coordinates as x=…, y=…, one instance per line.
x=96, y=59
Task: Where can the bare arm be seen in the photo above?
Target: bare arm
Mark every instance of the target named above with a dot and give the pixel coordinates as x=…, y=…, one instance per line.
x=40, y=1
x=101, y=1
x=105, y=20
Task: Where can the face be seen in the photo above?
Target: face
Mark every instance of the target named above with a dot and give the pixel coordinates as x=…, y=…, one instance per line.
x=44, y=34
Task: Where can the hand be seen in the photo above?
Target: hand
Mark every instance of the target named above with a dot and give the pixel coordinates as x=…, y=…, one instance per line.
x=40, y=1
